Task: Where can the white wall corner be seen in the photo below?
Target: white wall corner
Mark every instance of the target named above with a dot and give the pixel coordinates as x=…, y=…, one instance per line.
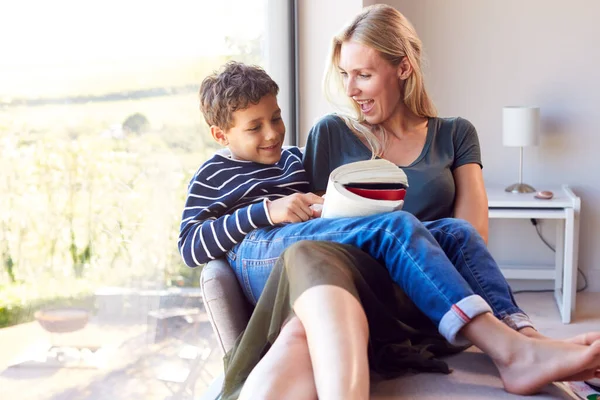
x=318, y=22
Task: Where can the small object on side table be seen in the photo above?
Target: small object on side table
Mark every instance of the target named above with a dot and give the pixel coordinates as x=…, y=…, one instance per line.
x=544, y=195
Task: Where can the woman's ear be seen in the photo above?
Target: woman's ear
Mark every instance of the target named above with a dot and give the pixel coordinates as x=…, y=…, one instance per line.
x=219, y=135
x=404, y=69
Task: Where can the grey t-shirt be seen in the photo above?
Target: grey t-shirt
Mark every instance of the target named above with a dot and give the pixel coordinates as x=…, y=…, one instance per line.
x=450, y=143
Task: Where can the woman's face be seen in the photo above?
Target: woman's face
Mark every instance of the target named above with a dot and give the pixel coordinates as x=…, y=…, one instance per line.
x=372, y=82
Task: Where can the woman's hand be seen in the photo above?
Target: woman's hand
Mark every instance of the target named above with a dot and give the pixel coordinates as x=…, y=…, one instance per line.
x=471, y=199
x=294, y=208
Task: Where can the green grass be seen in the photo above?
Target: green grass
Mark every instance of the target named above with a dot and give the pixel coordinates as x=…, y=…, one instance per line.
x=19, y=302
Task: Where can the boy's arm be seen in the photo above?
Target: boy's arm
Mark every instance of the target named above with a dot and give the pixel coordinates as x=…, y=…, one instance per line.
x=205, y=236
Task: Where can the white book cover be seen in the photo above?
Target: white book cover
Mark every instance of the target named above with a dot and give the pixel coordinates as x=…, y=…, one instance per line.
x=375, y=179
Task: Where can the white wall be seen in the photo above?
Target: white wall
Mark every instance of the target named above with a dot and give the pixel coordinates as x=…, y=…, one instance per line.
x=481, y=56
x=279, y=56
x=319, y=21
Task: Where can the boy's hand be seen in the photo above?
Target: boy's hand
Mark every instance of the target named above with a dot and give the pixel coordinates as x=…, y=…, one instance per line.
x=294, y=208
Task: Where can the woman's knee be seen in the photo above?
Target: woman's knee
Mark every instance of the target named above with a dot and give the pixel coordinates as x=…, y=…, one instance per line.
x=293, y=332
x=307, y=255
x=303, y=248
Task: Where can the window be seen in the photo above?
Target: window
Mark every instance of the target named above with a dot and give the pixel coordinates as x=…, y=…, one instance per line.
x=99, y=135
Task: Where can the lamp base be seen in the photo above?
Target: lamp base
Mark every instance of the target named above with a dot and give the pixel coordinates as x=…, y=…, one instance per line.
x=520, y=188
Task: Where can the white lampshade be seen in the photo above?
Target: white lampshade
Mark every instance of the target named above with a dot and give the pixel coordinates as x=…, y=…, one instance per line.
x=520, y=126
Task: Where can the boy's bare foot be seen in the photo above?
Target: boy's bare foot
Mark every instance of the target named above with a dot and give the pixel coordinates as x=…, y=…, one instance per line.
x=534, y=363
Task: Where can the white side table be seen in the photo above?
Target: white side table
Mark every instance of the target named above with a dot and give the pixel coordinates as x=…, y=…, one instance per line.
x=564, y=207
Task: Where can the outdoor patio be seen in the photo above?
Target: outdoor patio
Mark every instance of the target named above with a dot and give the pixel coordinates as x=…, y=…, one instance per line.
x=165, y=353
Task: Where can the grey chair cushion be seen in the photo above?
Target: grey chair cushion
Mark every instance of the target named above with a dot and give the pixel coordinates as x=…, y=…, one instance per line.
x=227, y=308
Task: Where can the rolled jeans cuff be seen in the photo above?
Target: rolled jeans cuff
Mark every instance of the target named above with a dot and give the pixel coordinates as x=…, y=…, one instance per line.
x=459, y=315
x=518, y=321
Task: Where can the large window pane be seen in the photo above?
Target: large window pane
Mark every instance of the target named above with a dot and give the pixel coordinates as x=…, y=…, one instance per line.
x=99, y=135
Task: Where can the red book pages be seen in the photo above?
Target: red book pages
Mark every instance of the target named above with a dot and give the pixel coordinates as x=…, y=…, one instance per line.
x=379, y=194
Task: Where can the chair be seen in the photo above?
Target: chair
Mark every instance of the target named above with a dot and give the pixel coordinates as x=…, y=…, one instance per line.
x=225, y=303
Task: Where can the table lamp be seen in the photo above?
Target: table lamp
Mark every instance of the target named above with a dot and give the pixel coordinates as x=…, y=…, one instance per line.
x=520, y=127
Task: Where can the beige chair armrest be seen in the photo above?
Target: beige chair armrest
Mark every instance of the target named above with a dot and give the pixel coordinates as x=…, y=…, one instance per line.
x=225, y=303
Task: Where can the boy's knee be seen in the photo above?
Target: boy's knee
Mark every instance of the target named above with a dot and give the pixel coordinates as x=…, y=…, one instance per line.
x=460, y=225
x=403, y=218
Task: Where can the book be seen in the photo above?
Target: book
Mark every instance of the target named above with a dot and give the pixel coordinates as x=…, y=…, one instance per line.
x=364, y=188
x=578, y=390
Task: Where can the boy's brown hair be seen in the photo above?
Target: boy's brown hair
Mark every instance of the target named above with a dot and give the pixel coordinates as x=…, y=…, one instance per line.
x=232, y=89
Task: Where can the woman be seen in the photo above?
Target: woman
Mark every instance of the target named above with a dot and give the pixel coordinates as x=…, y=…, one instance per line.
x=375, y=71
x=376, y=60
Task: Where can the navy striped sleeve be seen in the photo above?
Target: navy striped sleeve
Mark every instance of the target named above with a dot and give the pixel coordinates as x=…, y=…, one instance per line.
x=227, y=199
x=207, y=234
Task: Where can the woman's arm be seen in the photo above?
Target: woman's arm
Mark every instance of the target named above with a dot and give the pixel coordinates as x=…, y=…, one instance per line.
x=471, y=202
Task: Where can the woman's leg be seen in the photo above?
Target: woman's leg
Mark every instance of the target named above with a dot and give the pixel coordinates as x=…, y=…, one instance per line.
x=337, y=340
x=526, y=364
x=285, y=372
x=338, y=333
x=336, y=337
x=416, y=262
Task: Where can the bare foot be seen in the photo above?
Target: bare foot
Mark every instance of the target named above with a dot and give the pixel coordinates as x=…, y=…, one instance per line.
x=535, y=363
x=583, y=339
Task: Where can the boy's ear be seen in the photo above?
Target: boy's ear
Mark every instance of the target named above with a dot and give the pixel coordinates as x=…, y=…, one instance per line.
x=219, y=135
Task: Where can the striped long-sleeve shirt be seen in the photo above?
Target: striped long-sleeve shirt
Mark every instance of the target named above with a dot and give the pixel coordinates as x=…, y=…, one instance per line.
x=227, y=199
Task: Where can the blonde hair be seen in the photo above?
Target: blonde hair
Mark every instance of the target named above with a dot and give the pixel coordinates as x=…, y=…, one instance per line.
x=386, y=30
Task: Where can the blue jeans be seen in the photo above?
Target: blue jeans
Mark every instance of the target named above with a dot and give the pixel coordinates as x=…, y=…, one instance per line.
x=398, y=240
x=468, y=252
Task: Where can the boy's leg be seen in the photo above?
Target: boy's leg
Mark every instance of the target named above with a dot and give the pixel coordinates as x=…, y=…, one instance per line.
x=399, y=241
x=469, y=254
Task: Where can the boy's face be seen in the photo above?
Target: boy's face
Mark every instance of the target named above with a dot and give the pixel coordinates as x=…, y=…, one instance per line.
x=257, y=133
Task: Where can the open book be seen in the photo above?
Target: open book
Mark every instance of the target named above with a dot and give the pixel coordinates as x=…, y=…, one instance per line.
x=364, y=188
